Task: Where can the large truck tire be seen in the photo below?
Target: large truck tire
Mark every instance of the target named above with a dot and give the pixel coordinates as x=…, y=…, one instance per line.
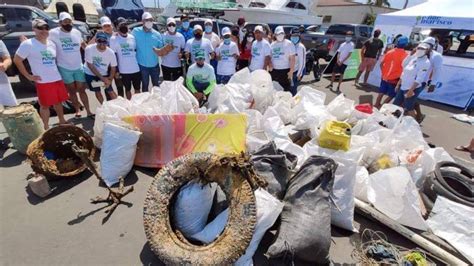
x=168, y=243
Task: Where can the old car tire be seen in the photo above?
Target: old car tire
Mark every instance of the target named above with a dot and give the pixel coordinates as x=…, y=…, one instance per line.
x=167, y=243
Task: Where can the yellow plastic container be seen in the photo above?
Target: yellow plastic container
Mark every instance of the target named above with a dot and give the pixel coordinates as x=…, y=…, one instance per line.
x=335, y=135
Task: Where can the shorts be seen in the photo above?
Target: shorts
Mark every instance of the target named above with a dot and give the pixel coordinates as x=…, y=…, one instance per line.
x=134, y=79
x=51, y=93
x=408, y=103
x=223, y=79
x=90, y=79
x=339, y=69
x=70, y=76
x=387, y=88
x=367, y=64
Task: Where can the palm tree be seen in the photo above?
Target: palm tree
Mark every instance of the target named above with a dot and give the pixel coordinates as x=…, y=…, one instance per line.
x=379, y=3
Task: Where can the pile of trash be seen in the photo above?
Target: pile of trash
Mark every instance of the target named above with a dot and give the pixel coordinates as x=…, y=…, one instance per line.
x=377, y=156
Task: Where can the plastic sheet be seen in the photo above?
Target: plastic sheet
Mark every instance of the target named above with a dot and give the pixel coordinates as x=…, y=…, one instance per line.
x=341, y=107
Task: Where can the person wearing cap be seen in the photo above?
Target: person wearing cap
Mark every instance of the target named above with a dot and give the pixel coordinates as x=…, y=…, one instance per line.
x=283, y=60
x=41, y=55
x=370, y=52
x=261, y=51
x=227, y=54
x=98, y=58
x=124, y=46
x=241, y=24
x=7, y=96
x=245, y=51
x=200, y=79
x=150, y=45
x=185, y=28
x=106, y=27
x=69, y=43
x=410, y=85
x=300, y=60
x=392, y=67
x=171, y=61
x=432, y=80
x=210, y=35
x=342, y=60
x=198, y=43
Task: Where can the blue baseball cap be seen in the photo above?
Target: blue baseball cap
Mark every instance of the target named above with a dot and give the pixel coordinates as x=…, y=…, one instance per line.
x=402, y=42
x=101, y=36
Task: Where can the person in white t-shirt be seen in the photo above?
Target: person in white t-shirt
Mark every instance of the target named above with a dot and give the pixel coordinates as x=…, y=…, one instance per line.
x=7, y=96
x=198, y=43
x=261, y=51
x=342, y=60
x=213, y=37
x=283, y=59
x=124, y=46
x=300, y=60
x=69, y=42
x=98, y=58
x=227, y=54
x=171, y=60
x=41, y=55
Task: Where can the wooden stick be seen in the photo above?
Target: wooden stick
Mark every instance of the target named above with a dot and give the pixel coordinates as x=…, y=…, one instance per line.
x=415, y=238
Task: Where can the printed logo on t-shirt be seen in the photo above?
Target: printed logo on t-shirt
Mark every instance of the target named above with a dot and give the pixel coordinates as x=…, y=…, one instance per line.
x=68, y=45
x=47, y=58
x=170, y=41
x=255, y=51
x=97, y=62
x=277, y=52
x=200, y=78
x=225, y=54
x=125, y=49
x=196, y=48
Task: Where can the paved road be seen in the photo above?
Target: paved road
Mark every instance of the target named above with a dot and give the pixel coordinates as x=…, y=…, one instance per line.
x=65, y=229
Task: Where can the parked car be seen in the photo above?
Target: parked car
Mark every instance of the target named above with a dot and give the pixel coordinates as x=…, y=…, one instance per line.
x=17, y=22
x=326, y=45
x=250, y=26
x=160, y=27
x=317, y=29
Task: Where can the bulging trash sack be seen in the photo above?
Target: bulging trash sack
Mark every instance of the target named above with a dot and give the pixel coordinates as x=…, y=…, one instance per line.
x=361, y=184
x=241, y=77
x=305, y=230
x=192, y=207
x=262, y=89
x=110, y=111
x=341, y=107
x=393, y=193
x=118, y=152
x=212, y=229
x=282, y=102
x=230, y=98
x=309, y=110
x=176, y=98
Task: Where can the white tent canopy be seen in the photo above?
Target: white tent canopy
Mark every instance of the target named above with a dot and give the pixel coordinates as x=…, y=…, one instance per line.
x=446, y=14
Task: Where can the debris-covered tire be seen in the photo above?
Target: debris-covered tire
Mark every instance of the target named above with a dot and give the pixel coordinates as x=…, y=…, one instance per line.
x=168, y=243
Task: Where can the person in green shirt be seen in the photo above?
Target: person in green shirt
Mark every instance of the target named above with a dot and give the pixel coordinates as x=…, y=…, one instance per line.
x=200, y=79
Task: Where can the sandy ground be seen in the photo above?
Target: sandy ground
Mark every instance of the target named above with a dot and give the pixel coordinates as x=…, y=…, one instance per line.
x=65, y=229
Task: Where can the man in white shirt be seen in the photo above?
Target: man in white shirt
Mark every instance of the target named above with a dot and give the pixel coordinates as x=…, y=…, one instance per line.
x=198, y=43
x=200, y=79
x=41, y=55
x=342, y=60
x=227, y=54
x=124, y=46
x=283, y=59
x=214, y=38
x=7, y=96
x=300, y=60
x=98, y=58
x=171, y=60
x=69, y=42
x=261, y=51
x=410, y=85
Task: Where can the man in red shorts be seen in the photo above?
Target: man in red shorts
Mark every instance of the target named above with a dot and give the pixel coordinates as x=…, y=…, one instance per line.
x=41, y=55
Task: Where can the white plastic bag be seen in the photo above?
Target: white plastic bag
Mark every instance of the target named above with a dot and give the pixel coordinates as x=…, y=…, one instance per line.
x=256, y=136
x=212, y=229
x=273, y=125
x=118, y=152
x=192, y=207
x=453, y=222
x=341, y=107
x=262, y=89
x=393, y=193
x=176, y=98
x=282, y=103
x=241, y=77
x=288, y=146
x=309, y=110
x=230, y=98
x=268, y=210
x=361, y=183
x=110, y=111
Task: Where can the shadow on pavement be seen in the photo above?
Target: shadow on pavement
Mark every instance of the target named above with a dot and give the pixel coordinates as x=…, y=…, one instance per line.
x=23, y=91
x=148, y=258
x=85, y=123
x=57, y=187
x=14, y=159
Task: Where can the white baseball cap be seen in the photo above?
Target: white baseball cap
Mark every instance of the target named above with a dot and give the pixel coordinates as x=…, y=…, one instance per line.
x=258, y=28
x=279, y=30
x=64, y=15
x=226, y=31
x=430, y=40
x=105, y=21
x=146, y=15
x=170, y=20
x=208, y=21
x=197, y=27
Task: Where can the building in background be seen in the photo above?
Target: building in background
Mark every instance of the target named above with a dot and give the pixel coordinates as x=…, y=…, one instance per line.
x=346, y=11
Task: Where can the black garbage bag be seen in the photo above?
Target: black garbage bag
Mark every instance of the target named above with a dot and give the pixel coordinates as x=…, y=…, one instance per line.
x=275, y=166
x=305, y=230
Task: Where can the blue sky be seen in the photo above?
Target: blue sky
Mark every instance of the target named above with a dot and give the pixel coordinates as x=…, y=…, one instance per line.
x=394, y=3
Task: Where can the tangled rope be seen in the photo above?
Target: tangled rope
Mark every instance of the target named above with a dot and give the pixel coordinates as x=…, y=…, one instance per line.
x=375, y=250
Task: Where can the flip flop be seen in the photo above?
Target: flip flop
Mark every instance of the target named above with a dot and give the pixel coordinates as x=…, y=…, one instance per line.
x=462, y=148
x=78, y=116
x=92, y=116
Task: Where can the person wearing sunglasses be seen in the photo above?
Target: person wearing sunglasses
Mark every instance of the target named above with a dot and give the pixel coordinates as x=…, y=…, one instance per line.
x=98, y=58
x=41, y=55
x=69, y=42
x=171, y=61
x=185, y=28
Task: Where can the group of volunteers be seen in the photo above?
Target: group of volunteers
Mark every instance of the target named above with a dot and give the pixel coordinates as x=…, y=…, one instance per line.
x=132, y=59
x=405, y=74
